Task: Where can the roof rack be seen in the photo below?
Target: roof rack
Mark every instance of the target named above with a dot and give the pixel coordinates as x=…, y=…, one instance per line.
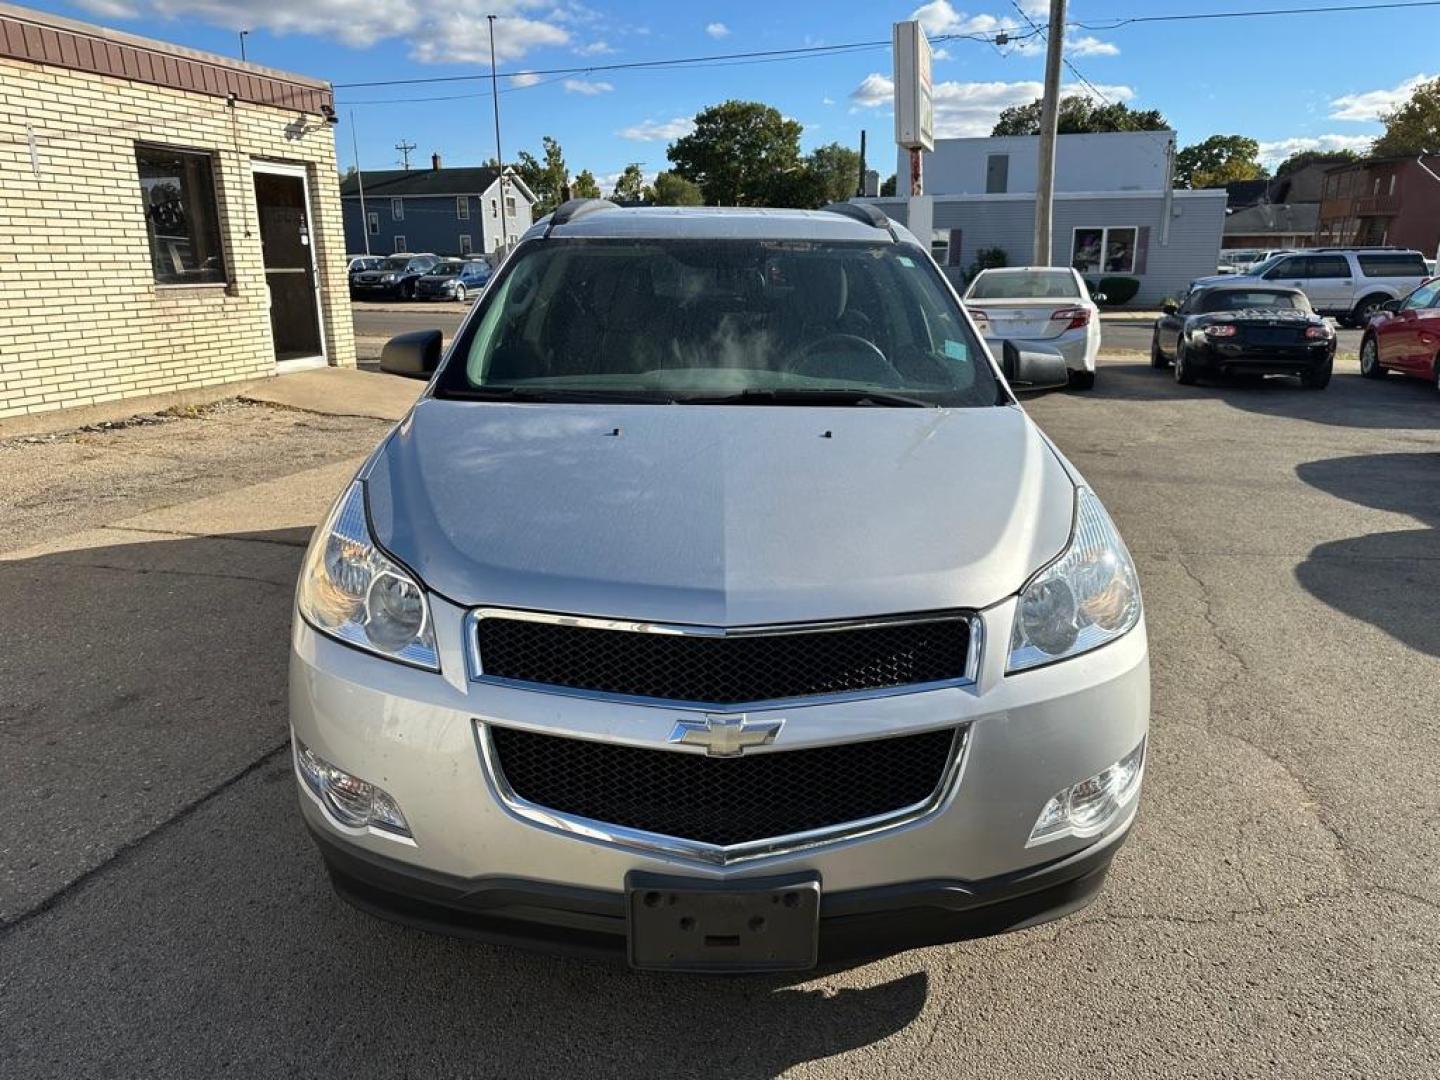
x=574, y=209
x=1362, y=247
x=865, y=213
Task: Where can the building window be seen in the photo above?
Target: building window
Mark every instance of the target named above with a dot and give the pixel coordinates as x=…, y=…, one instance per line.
x=400, y=245
x=462, y=207
x=510, y=205
x=494, y=208
x=182, y=218
x=1108, y=250
x=465, y=244
x=997, y=174
x=1392, y=183
x=372, y=223
x=397, y=209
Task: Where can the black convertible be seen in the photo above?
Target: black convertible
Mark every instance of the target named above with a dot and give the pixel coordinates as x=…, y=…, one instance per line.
x=1227, y=329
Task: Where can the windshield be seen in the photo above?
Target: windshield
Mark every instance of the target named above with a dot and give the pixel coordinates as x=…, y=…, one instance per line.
x=1256, y=269
x=1024, y=285
x=1250, y=299
x=446, y=268
x=400, y=262
x=777, y=322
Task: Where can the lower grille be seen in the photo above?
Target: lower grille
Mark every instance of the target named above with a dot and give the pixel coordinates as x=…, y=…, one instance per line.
x=720, y=668
x=722, y=801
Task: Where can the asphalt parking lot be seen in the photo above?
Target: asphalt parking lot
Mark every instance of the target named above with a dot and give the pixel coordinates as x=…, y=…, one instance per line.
x=1275, y=913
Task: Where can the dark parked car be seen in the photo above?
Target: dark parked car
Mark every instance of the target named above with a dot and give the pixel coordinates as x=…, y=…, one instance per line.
x=1232, y=329
x=1405, y=337
x=359, y=264
x=453, y=280
x=396, y=276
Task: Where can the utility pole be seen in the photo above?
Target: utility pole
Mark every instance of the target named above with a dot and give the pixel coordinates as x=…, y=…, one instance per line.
x=243, y=35
x=860, y=184
x=405, y=148
x=499, y=157
x=360, y=183
x=1049, y=120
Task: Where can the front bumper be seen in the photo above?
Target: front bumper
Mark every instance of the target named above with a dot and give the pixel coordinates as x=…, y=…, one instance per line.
x=414, y=733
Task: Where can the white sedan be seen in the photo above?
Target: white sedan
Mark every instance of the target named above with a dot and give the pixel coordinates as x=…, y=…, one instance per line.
x=1047, y=305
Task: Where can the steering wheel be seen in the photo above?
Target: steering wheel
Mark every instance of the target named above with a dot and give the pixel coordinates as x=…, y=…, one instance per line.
x=874, y=367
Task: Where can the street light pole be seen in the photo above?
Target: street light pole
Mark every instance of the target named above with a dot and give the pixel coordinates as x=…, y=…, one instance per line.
x=499, y=157
x=1049, y=121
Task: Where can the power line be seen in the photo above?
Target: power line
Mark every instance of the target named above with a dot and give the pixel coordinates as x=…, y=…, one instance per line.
x=1063, y=58
x=1133, y=20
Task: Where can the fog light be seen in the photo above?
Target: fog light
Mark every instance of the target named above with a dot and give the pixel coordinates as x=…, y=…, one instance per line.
x=1091, y=805
x=350, y=800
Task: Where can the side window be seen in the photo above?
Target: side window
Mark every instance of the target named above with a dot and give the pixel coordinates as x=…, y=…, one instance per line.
x=1192, y=302
x=1291, y=268
x=1423, y=297
x=1329, y=266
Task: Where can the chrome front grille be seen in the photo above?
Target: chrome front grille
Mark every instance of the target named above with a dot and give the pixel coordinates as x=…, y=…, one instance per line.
x=724, y=667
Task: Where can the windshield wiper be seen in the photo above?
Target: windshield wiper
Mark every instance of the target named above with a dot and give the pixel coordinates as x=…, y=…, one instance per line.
x=809, y=396
x=551, y=394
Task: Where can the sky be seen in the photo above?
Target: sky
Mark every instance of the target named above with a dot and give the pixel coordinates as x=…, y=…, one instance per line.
x=1292, y=82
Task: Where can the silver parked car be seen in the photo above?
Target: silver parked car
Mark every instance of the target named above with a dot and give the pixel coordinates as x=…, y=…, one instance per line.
x=718, y=606
x=1048, y=306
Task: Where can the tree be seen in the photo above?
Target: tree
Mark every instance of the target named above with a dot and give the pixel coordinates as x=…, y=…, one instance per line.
x=1296, y=162
x=1079, y=115
x=799, y=186
x=838, y=168
x=1414, y=127
x=585, y=186
x=887, y=187
x=1219, y=160
x=672, y=189
x=545, y=179
x=736, y=151
x=630, y=186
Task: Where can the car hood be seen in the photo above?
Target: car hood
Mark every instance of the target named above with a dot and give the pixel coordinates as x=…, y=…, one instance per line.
x=719, y=515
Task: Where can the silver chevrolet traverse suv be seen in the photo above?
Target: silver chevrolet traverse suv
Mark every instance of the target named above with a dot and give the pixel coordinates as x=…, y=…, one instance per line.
x=718, y=607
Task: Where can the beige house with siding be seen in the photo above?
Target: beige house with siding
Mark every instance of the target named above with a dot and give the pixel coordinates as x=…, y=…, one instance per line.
x=169, y=219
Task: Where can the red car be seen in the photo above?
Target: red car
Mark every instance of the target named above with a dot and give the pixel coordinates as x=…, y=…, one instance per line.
x=1405, y=337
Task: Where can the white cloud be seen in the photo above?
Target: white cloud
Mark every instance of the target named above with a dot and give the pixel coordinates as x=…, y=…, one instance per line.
x=940, y=17
x=717, y=30
x=1090, y=46
x=524, y=79
x=595, y=48
x=964, y=109
x=1276, y=151
x=110, y=9
x=1372, y=104
x=940, y=54
x=658, y=130
x=589, y=89
x=435, y=35
x=827, y=101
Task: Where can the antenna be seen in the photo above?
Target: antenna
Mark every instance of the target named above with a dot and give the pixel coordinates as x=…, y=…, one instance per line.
x=405, y=148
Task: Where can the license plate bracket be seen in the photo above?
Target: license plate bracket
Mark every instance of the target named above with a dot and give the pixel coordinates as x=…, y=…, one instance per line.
x=683, y=924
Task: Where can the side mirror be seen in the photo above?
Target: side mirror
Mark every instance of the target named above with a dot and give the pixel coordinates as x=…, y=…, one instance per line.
x=1033, y=369
x=415, y=355
x=1170, y=307
x=1390, y=305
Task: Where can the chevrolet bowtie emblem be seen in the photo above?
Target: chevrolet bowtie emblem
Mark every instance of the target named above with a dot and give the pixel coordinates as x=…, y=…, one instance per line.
x=726, y=736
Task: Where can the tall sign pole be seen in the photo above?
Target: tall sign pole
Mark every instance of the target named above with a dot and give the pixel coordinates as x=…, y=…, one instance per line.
x=914, y=105
x=1049, y=121
x=499, y=157
x=360, y=183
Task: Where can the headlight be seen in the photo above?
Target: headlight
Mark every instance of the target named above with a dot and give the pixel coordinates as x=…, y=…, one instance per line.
x=1086, y=598
x=350, y=590
x=388, y=278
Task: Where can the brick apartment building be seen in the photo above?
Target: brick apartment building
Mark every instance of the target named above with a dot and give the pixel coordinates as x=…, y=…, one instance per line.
x=1390, y=200
x=169, y=219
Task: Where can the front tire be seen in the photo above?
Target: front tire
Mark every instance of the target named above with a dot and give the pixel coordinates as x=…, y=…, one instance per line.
x=1157, y=358
x=1184, y=373
x=1082, y=380
x=460, y=293
x=1370, y=358
x=407, y=291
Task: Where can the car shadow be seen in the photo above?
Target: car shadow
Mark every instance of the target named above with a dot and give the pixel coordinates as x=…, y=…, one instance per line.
x=163, y=903
x=1349, y=400
x=1388, y=579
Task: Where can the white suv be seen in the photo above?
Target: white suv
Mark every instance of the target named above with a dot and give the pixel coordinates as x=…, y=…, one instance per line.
x=1349, y=283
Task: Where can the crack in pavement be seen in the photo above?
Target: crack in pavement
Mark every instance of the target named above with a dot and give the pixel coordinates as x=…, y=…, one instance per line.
x=130, y=848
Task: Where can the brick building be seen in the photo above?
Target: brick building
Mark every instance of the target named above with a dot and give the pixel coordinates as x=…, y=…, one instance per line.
x=169, y=219
x=1388, y=200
